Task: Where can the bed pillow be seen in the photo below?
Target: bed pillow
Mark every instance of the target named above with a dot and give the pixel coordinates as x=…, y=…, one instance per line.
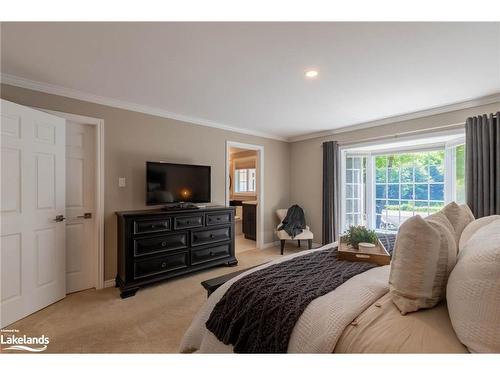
x=473, y=227
x=424, y=255
x=459, y=217
x=473, y=291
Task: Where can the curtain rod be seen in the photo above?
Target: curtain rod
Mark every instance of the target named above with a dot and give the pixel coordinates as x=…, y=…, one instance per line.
x=403, y=134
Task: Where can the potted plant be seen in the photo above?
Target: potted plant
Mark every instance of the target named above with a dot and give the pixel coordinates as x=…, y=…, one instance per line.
x=357, y=235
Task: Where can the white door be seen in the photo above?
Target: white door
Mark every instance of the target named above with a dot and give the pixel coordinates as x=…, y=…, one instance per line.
x=81, y=240
x=32, y=207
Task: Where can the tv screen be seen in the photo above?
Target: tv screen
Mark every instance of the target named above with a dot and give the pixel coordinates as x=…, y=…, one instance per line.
x=173, y=183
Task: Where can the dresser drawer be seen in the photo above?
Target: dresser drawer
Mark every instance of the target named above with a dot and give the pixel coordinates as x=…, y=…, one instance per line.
x=218, y=218
x=152, y=225
x=202, y=237
x=210, y=253
x=150, y=267
x=146, y=246
x=183, y=222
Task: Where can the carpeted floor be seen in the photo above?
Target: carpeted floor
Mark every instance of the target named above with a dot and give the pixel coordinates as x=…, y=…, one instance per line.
x=153, y=321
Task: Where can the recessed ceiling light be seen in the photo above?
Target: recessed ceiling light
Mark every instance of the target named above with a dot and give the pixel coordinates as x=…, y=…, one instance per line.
x=311, y=73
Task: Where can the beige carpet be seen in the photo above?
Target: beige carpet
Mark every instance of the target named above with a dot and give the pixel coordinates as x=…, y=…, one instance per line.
x=153, y=321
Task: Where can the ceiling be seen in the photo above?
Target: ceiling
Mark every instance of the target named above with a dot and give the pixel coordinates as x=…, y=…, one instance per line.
x=250, y=76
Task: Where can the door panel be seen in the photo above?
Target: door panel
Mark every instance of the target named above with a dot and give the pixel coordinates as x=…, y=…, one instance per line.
x=81, y=240
x=11, y=180
x=11, y=266
x=45, y=180
x=33, y=194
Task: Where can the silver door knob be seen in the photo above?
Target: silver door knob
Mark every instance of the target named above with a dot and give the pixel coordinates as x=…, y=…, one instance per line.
x=59, y=218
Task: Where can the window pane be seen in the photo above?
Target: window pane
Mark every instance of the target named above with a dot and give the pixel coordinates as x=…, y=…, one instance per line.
x=355, y=191
x=348, y=176
x=407, y=174
x=356, y=163
x=460, y=174
x=251, y=178
x=393, y=191
x=380, y=175
x=356, y=220
x=436, y=173
x=393, y=175
x=348, y=163
x=436, y=192
x=348, y=206
x=349, y=220
x=407, y=191
x=349, y=191
x=355, y=176
x=421, y=174
x=380, y=191
x=421, y=191
x=355, y=205
x=380, y=205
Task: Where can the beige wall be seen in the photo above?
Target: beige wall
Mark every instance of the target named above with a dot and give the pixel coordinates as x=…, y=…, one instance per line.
x=307, y=157
x=131, y=138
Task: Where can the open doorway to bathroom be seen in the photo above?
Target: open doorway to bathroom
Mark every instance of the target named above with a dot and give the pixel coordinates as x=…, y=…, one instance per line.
x=244, y=170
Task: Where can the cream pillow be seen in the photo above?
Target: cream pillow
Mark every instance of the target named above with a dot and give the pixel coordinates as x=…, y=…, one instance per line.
x=424, y=255
x=473, y=291
x=459, y=217
x=473, y=227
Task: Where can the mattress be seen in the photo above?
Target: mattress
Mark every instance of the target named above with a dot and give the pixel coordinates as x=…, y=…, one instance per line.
x=382, y=329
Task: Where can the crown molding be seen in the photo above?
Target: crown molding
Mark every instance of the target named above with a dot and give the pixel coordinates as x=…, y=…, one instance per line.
x=80, y=95
x=495, y=98
x=13, y=80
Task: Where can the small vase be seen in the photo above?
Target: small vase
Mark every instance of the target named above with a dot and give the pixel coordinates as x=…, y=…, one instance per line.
x=364, y=246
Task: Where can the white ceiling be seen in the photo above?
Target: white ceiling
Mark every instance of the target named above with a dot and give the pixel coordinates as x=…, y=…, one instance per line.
x=250, y=76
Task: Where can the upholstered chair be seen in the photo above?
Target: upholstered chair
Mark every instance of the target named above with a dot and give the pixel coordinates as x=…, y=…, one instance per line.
x=284, y=236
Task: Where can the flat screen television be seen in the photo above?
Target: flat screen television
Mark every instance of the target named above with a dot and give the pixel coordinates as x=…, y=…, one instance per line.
x=173, y=183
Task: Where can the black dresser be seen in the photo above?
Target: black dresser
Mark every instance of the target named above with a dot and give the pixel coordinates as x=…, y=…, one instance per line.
x=155, y=245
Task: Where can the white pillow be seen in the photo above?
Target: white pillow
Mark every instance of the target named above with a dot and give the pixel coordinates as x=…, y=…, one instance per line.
x=424, y=255
x=472, y=228
x=473, y=291
x=459, y=217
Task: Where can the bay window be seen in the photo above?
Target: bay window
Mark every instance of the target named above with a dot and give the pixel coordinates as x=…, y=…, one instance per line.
x=385, y=184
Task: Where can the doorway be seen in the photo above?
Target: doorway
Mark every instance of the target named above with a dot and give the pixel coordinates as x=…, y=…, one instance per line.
x=84, y=201
x=244, y=191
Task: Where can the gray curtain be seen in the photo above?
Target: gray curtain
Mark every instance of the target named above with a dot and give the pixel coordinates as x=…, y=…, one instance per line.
x=482, y=168
x=331, y=171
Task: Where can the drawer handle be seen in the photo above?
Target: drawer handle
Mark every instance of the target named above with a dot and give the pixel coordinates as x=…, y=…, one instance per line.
x=164, y=264
x=218, y=218
x=164, y=243
x=211, y=254
x=362, y=256
x=212, y=235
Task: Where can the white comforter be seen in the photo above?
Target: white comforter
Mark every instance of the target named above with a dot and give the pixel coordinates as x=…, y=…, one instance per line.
x=320, y=325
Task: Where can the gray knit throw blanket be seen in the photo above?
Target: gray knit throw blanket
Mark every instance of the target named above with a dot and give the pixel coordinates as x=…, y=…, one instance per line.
x=258, y=312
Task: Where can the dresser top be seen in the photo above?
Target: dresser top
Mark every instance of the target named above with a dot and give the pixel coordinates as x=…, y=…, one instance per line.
x=159, y=211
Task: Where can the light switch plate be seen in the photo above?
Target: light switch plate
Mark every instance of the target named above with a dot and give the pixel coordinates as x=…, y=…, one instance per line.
x=122, y=182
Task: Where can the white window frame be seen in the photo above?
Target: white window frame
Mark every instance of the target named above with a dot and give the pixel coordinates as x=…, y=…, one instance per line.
x=449, y=180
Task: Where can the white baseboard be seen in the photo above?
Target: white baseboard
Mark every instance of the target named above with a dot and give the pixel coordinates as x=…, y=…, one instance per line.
x=270, y=244
x=109, y=283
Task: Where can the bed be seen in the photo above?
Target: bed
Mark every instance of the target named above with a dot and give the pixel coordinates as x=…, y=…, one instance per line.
x=341, y=320
x=365, y=314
